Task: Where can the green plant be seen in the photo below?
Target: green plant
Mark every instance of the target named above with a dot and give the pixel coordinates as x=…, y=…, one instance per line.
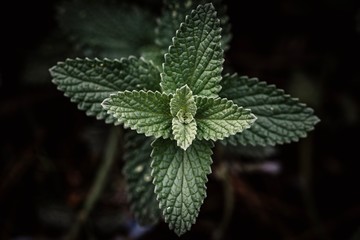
x=184, y=105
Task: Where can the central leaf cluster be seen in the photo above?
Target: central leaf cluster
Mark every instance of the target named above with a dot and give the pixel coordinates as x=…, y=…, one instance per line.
x=181, y=116
x=182, y=105
x=184, y=117
x=189, y=105
x=183, y=109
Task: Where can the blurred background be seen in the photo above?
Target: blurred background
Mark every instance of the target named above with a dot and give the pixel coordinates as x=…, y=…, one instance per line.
x=50, y=152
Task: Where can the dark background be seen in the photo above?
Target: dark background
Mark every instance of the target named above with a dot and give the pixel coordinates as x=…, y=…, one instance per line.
x=50, y=152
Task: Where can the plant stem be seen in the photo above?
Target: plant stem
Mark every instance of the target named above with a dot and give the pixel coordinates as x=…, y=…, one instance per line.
x=98, y=185
x=225, y=177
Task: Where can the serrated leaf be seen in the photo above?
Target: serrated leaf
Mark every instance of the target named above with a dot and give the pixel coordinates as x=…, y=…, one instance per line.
x=89, y=81
x=107, y=29
x=179, y=178
x=183, y=109
x=218, y=118
x=137, y=173
x=174, y=13
x=184, y=133
x=183, y=100
x=281, y=119
x=146, y=112
x=196, y=57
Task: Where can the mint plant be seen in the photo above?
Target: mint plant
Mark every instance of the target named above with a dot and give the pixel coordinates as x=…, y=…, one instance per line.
x=183, y=107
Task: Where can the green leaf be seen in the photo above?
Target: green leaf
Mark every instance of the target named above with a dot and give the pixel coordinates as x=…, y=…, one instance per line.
x=89, y=81
x=196, y=57
x=107, y=29
x=137, y=173
x=174, y=13
x=179, y=178
x=183, y=100
x=183, y=109
x=184, y=133
x=146, y=112
x=281, y=119
x=218, y=118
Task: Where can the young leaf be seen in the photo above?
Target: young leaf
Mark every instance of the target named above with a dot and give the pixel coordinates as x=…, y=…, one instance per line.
x=174, y=13
x=184, y=133
x=183, y=109
x=196, y=57
x=218, y=118
x=146, y=112
x=137, y=173
x=89, y=81
x=183, y=100
x=179, y=178
x=281, y=119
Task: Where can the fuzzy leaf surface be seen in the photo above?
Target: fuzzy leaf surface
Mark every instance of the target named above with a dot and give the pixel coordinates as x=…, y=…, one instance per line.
x=196, y=56
x=179, y=178
x=89, y=81
x=174, y=13
x=146, y=112
x=184, y=133
x=137, y=173
x=281, y=118
x=218, y=118
x=183, y=100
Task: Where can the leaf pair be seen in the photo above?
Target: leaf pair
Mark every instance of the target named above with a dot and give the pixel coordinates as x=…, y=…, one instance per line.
x=181, y=116
x=88, y=82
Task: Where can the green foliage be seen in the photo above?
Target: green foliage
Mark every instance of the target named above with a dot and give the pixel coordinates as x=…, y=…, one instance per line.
x=281, y=119
x=146, y=112
x=183, y=102
x=173, y=15
x=196, y=57
x=219, y=118
x=179, y=178
x=183, y=109
x=185, y=105
x=184, y=133
x=89, y=81
x=138, y=177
